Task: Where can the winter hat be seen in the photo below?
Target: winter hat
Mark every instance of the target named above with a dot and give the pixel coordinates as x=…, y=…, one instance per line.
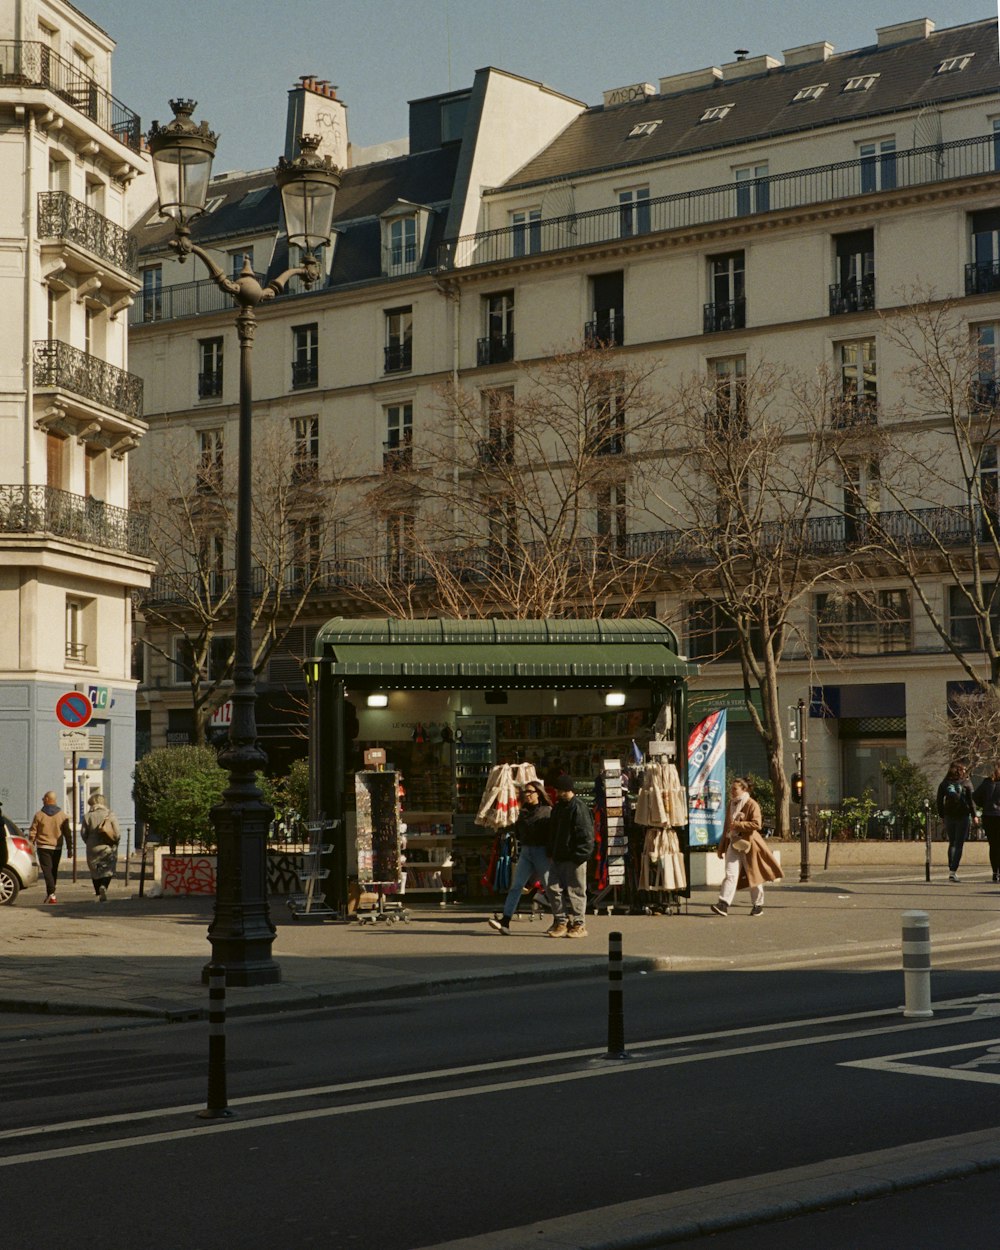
x=564, y=782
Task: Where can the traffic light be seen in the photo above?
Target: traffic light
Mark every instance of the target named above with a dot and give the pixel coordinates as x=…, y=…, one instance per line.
x=798, y=787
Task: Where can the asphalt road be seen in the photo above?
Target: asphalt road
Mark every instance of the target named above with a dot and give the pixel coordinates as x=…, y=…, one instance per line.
x=411, y=1123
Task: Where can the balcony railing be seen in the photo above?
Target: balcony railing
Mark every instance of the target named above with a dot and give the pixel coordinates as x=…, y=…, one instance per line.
x=210, y=384
x=498, y=349
x=33, y=64
x=59, y=366
x=60, y=216
x=854, y=411
x=186, y=299
x=660, y=550
x=730, y=315
x=982, y=279
x=397, y=457
x=984, y=395
x=44, y=510
x=852, y=296
x=606, y=330
x=76, y=652
x=798, y=188
x=496, y=450
x=398, y=357
x=304, y=373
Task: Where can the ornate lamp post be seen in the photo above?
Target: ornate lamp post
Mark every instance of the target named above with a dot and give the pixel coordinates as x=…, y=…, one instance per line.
x=241, y=932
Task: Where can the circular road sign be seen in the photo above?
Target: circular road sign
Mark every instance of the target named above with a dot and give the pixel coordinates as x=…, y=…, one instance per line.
x=73, y=710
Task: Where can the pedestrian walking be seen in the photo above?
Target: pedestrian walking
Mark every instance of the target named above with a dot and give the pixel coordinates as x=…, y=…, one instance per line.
x=957, y=808
x=532, y=833
x=749, y=863
x=101, y=836
x=987, y=796
x=49, y=829
x=571, y=844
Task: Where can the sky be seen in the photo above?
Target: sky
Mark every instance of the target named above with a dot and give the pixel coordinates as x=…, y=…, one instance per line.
x=238, y=58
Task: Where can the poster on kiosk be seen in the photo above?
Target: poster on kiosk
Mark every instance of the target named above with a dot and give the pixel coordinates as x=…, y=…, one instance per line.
x=707, y=780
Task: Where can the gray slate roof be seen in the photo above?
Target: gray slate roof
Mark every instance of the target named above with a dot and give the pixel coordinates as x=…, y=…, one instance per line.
x=763, y=107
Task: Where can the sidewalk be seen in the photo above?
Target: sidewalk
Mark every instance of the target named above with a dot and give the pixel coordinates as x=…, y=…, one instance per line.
x=144, y=957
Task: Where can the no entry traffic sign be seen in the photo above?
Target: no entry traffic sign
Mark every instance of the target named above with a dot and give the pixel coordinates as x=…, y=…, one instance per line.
x=73, y=709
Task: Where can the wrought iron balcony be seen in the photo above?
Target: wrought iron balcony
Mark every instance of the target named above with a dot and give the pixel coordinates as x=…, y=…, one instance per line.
x=606, y=330
x=606, y=441
x=210, y=384
x=396, y=456
x=399, y=357
x=496, y=450
x=58, y=366
x=730, y=315
x=304, y=373
x=982, y=279
x=497, y=349
x=799, y=188
x=853, y=411
x=44, y=510
x=62, y=217
x=984, y=395
x=32, y=64
x=852, y=296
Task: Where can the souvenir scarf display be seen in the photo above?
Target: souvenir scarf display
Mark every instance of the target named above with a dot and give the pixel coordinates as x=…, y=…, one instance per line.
x=662, y=808
x=500, y=805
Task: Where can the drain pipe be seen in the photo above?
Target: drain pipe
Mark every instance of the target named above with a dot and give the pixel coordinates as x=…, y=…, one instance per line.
x=29, y=256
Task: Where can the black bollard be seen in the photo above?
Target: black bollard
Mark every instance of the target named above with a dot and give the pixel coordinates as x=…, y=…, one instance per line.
x=218, y=1107
x=616, y=1009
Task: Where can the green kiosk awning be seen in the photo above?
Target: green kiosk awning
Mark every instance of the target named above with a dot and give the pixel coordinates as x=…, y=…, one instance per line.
x=516, y=653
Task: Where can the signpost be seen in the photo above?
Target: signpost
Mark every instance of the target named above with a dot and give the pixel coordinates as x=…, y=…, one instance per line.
x=74, y=710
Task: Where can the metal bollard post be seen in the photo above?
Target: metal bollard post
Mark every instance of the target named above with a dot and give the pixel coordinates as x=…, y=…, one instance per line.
x=917, y=965
x=616, y=1010
x=218, y=1107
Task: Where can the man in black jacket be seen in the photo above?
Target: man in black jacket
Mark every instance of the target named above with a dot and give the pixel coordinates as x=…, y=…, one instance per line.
x=571, y=834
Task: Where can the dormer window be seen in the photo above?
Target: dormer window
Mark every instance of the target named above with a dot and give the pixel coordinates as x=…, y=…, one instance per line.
x=953, y=63
x=862, y=83
x=644, y=128
x=404, y=229
x=716, y=113
x=810, y=93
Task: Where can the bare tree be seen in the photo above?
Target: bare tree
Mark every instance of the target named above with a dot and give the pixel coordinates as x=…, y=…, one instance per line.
x=938, y=470
x=744, y=489
x=517, y=500
x=187, y=615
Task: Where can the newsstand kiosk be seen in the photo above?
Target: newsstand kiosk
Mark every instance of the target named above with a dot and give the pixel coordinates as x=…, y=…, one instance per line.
x=451, y=700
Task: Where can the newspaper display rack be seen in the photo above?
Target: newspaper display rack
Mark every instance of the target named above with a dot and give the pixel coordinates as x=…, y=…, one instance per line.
x=311, y=901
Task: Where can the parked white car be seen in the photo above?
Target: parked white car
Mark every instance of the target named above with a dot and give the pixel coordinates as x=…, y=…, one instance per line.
x=18, y=862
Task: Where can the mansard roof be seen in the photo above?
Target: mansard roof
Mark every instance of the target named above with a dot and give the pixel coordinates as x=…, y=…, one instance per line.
x=764, y=106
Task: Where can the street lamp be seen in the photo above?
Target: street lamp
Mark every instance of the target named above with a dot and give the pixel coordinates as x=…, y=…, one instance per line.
x=241, y=932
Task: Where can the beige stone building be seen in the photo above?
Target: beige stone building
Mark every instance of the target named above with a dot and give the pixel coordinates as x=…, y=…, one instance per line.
x=71, y=552
x=767, y=212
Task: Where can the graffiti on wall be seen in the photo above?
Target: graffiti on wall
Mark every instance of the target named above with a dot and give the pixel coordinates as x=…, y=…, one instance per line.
x=188, y=874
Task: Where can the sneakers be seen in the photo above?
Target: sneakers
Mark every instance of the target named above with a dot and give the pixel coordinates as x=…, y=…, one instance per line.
x=721, y=908
x=501, y=926
x=558, y=929
x=102, y=894
x=757, y=910
x=51, y=898
x=577, y=931
x=996, y=876
x=952, y=876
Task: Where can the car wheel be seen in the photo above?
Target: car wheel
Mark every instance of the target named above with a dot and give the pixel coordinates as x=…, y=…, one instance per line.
x=10, y=887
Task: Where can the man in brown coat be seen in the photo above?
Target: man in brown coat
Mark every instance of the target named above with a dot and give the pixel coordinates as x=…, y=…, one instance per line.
x=49, y=829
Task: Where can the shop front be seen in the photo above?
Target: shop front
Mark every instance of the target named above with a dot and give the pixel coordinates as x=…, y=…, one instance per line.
x=449, y=702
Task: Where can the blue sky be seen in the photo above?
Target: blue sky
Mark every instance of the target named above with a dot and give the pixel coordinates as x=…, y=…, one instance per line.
x=238, y=58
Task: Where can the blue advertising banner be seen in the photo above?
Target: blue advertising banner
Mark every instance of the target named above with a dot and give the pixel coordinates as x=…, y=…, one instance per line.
x=707, y=780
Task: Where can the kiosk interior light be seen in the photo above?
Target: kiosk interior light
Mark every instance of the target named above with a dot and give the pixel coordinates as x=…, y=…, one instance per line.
x=378, y=700
x=614, y=698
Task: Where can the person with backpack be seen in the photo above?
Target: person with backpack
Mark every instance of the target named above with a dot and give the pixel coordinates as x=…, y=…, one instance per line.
x=101, y=837
x=987, y=796
x=957, y=808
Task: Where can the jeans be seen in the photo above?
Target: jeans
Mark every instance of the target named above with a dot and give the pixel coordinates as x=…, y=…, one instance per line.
x=532, y=865
x=48, y=861
x=568, y=892
x=730, y=881
x=956, y=830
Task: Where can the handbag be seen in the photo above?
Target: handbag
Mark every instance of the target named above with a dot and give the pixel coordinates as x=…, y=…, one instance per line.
x=740, y=845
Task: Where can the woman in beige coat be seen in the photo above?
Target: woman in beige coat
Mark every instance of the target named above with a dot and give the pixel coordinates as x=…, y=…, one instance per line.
x=748, y=861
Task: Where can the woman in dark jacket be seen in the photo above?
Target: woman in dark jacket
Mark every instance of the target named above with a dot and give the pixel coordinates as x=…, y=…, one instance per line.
x=532, y=833
x=956, y=807
x=987, y=796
